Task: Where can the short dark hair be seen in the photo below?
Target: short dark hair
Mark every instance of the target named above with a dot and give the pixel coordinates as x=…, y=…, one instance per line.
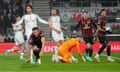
x=29, y=6
x=17, y=16
x=35, y=28
x=54, y=9
x=102, y=10
x=85, y=12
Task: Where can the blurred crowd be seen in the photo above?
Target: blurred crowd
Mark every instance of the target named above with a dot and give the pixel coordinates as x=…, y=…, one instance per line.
x=84, y=3
x=8, y=10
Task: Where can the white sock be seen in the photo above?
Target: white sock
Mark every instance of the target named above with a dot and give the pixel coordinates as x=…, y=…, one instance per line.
x=56, y=51
x=11, y=50
x=97, y=55
x=109, y=57
x=53, y=57
x=83, y=59
x=39, y=61
x=21, y=55
x=73, y=58
x=26, y=45
x=31, y=55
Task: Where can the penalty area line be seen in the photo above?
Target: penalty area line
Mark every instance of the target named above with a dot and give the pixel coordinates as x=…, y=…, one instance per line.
x=111, y=56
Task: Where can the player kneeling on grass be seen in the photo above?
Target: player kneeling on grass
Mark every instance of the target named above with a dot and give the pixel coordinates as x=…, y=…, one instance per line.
x=65, y=50
x=19, y=39
x=36, y=45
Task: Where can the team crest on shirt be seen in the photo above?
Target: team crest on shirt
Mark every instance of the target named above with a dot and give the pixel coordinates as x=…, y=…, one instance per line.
x=86, y=25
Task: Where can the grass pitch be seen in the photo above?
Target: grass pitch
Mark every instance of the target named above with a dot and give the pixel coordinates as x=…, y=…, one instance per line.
x=11, y=63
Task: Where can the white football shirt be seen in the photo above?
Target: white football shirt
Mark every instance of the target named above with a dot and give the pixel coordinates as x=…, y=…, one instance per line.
x=30, y=21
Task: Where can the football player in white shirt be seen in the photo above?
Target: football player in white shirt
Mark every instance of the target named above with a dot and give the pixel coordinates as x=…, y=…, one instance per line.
x=30, y=19
x=19, y=39
x=57, y=33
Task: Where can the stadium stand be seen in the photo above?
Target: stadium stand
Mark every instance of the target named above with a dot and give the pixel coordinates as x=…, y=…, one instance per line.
x=76, y=6
x=10, y=8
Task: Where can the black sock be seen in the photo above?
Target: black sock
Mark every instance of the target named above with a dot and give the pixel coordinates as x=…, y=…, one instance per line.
x=37, y=56
x=90, y=52
x=87, y=52
x=101, y=49
x=108, y=50
x=36, y=53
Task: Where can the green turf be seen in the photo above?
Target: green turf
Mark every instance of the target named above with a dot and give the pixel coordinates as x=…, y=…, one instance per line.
x=12, y=63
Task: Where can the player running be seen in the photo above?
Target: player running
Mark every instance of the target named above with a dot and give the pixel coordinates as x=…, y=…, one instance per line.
x=37, y=42
x=30, y=19
x=65, y=50
x=19, y=39
x=102, y=39
x=87, y=26
x=57, y=33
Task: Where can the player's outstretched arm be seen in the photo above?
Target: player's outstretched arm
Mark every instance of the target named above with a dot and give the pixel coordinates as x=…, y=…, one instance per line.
x=43, y=45
x=77, y=27
x=79, y=52
x=51, y=27
x=41, y=20
x=64, y=27
x=20, y=22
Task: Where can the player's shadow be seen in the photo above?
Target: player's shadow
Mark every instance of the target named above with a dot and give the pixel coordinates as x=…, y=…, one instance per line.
x=28, y=65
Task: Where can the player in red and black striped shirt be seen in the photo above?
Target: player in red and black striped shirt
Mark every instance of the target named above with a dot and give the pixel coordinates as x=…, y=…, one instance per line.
x=101, y=35
x=87, y=25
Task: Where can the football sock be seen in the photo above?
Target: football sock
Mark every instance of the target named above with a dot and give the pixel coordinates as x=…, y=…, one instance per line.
x=31, y=55
x=90, y=51
x=108, y=50
x=21, y=55
x=101, y=49
x=56, y=51
x=87, y=52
